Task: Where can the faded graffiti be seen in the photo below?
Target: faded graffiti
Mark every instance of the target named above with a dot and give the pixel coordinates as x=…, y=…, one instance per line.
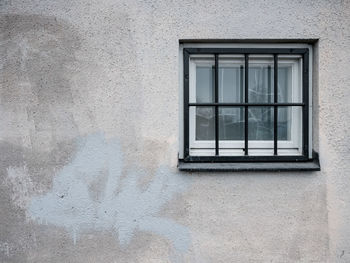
x=120, y=205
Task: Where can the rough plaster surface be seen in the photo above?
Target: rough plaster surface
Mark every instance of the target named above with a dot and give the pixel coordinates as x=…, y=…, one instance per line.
x=107, y=72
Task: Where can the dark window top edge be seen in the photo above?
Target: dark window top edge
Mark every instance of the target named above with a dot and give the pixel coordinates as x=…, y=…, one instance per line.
x=252, y=50
x=310, y=166
x=250, y=40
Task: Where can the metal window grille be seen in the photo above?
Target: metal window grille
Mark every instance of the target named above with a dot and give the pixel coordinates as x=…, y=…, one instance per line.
x=304, y=52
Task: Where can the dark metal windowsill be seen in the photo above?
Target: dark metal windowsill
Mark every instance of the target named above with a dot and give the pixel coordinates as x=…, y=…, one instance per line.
x=313, y=165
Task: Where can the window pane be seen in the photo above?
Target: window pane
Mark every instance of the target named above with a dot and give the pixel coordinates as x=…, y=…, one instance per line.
x=231, y=123
x=205, y=123
x=284, y=123
x=231, y=79
x=289, y=79
x=289, y=123
x=205, y=82
x=260, y=75
x=260, y=123
x=284, y=83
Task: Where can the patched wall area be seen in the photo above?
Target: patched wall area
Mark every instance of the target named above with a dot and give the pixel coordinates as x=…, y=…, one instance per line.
x=89, y=117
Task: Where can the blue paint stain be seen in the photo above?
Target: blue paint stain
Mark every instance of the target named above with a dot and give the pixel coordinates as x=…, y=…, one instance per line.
x=130, y=209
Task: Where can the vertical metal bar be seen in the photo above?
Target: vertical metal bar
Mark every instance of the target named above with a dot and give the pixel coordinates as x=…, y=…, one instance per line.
x=216, y=107
x=269, y=100
x=186, y=57
x=246, y=107
x=241, y=91
x=306, y=102
x=275, y=99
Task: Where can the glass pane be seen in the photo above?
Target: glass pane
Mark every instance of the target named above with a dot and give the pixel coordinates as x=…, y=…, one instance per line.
x=231, y=123
x=205, y=76
x=284, y=123
x=284, y=83
x=205, y=123
x=231, y=79
x=260, y=123
x=289, y=123
x=289, y=79
x=260, y=79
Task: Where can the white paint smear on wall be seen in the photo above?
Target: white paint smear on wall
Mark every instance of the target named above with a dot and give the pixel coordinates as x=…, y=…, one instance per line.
x=70, y=204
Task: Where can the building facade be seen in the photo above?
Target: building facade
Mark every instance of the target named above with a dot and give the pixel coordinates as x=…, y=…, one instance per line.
x=91, y=117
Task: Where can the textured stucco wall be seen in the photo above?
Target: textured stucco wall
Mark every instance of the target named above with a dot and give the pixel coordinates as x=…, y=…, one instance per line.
x=89, y=137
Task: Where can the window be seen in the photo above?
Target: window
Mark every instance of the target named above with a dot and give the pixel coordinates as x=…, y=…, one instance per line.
x=246, y=104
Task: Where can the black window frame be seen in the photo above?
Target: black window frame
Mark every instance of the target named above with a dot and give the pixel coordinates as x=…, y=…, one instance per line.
x=304, y=52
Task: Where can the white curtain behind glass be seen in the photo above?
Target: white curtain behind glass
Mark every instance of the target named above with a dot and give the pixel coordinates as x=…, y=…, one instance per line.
x=231, y=89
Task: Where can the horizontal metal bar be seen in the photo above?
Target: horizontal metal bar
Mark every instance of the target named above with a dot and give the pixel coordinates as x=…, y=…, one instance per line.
x=247, y=158
x=271, y=51
x=246, y=104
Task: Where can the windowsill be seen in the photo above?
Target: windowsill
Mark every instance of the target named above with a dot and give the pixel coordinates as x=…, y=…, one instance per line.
x=312, y=165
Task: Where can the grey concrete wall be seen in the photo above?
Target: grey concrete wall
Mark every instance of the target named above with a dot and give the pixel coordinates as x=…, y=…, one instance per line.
x=89, y=137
